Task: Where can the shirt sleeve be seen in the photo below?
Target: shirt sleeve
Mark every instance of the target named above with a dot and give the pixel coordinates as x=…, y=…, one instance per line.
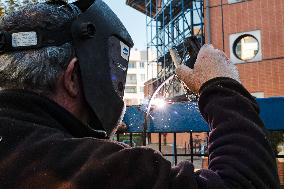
x=240, y=155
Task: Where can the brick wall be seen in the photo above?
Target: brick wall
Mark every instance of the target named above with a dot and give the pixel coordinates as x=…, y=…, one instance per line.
x=267, y=16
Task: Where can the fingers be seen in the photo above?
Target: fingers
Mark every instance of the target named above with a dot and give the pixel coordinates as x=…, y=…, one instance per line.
x=183, y=72
x=175, y=57
x=187, y=76
x=212, y=63
x=209, y=55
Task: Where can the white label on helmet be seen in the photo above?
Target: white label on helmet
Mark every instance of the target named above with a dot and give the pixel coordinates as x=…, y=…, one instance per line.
x=24, y=39
x=124, y=51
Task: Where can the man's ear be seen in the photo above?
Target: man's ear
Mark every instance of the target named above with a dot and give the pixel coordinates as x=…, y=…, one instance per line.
x=70, y=78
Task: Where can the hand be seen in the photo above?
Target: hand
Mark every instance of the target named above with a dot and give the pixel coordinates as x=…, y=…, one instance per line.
x=210, y=63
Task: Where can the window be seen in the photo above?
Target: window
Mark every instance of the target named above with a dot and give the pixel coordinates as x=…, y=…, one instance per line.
x=142, y=77
x=130, y=89
x=141, y=90
x=131, y=64
x=142, y=65
x=234, y=1
x=245, y=47
x=131, y=79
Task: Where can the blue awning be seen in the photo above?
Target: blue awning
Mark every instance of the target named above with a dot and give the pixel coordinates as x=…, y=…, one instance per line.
x=185, y=117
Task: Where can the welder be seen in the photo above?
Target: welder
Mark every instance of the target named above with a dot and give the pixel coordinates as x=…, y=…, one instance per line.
x=62, y=76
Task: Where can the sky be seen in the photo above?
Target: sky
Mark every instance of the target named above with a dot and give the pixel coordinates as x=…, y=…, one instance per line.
x=134, y=21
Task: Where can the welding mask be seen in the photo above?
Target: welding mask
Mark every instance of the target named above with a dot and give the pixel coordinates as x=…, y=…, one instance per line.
x=102, y=46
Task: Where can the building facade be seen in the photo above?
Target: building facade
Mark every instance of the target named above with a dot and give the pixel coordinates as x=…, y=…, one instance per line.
x=139, y=71
x=251, y=32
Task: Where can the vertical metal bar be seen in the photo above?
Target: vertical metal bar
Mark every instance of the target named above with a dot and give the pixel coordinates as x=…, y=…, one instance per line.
x=130, y=139
x=223, y=32
x=146, y=8
x=160, y=142
x=191, y=19
x=157, y=31
x=172, y=24
x=117, y=137
x=191, y=147
x=151, y=20
x=183, y=20
x=202, y=22
x=164, y=39
x=207, y=139
x=144, y=129
x=208, y=26
x=175, y=148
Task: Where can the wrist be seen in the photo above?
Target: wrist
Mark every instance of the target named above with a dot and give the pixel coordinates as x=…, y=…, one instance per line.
x=220, y=81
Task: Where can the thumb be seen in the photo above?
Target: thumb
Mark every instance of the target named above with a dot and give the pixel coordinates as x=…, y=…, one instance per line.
x=175, y=57
x=186, y=74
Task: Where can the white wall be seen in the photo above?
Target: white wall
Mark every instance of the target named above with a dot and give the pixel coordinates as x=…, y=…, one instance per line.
x=148, y=71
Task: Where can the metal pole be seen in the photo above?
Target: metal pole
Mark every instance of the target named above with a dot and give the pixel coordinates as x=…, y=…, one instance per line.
x=191, y=19
x=191, y=147
x=208, y=26
x=147, y=46
x=144, y=129
x=117, y=137
x=175, y=147
x=223, y=32
x=184, y=19
x=130, y=139
x=160, y=142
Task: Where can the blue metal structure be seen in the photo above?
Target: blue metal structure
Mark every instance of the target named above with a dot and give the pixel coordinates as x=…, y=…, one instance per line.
x=185, y=117
x=169, y=23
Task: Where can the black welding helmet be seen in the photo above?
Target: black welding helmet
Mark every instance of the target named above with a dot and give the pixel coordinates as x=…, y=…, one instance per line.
x=102, y=45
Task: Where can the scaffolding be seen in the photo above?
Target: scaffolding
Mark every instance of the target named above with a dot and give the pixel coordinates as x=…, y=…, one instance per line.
x=169, y=24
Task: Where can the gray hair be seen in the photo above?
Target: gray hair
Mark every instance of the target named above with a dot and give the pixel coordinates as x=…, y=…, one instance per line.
x=36, y=69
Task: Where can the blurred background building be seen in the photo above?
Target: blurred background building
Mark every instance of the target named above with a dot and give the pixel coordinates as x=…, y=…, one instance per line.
x=140, y=69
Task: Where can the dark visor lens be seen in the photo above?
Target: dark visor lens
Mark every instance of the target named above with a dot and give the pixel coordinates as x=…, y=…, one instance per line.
x=119, y=57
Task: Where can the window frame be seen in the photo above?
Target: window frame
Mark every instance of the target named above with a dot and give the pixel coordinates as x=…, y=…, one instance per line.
x=127, y=87
x=234, y=37
x=132, y=63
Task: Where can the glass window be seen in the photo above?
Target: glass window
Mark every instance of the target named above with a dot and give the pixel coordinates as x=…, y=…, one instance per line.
x=142, y=77
x=142, y=89
x=131, y=79
x=246, y=47
x=130, y=89
x=142, y=65
x=131, y=64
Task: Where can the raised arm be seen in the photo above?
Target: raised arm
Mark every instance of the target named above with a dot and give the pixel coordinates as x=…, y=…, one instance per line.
x=240, y=155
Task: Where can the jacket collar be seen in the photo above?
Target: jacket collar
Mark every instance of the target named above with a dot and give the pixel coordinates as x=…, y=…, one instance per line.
x=34, y=108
